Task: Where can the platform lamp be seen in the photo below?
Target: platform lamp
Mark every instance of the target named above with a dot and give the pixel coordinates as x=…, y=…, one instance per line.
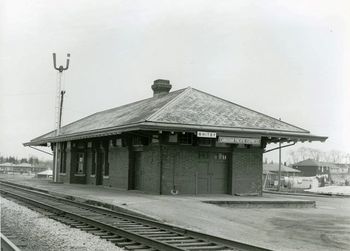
x=59, y=105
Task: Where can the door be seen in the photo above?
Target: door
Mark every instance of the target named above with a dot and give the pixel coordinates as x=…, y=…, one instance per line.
x=219, y=173
x=99, y=167
x=212, y=173
x=202, y=177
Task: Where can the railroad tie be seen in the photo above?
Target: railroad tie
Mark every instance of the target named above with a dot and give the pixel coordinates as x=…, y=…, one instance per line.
x=108, y=236
x=181, y=241
x=212, y=248
x=126, y=243
x=136, y=247
x=117, y=239
x=195, y=244
x=161, y=234
x=164, y=238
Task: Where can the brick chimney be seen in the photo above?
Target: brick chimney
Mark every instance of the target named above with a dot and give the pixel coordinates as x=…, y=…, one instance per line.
x=161, y=87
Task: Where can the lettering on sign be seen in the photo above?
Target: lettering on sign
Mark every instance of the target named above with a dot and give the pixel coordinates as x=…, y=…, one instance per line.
x=206, y=134
x=235, y=140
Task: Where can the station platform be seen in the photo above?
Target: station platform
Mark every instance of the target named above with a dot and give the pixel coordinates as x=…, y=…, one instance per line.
x=267, y=221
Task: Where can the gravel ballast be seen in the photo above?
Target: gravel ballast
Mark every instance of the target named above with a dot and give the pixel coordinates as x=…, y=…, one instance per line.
x=42, y=233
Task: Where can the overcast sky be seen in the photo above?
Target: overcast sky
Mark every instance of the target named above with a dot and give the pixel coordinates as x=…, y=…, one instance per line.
x=287, y=59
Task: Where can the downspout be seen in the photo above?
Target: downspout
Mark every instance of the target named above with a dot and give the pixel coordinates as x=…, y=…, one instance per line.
x=160, y=167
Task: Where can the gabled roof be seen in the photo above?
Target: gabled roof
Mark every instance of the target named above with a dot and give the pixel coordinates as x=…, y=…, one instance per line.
x=308, y=162
x=274, y=168
x=6, y=164
x=182, y=109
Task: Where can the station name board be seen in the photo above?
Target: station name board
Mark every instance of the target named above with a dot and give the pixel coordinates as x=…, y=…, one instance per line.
x=206, y=134
x=236, y=140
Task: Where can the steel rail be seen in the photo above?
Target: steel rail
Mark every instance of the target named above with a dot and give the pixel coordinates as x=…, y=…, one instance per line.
x=200, y=237
x=7, y=244
x=99, y=225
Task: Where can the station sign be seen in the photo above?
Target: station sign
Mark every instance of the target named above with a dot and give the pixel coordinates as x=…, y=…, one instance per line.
x=206, y=134
x=236, y=140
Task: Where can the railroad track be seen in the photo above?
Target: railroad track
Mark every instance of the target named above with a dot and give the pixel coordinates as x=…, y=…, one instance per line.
x=9, y=241
x=124, y=230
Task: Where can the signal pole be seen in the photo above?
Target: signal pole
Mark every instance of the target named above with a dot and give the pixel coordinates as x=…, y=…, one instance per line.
x=59, y=105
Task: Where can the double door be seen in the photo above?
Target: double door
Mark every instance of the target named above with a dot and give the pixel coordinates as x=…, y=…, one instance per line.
x=212, y=173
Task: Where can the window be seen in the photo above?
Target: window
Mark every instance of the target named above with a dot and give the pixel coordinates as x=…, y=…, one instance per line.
x=204, y=142
x=172, y=138
x=185, y=139
x=221, y=156
x=80, y=167
x=136, y=141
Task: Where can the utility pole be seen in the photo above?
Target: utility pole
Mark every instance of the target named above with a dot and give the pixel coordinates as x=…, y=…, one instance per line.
x=279, y=164
x=59, y=105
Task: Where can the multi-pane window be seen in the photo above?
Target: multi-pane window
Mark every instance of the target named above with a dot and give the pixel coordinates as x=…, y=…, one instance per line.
x=80, y=167
x=185, y=139
x=173, y=138
x=136, y=141
x=204, y=141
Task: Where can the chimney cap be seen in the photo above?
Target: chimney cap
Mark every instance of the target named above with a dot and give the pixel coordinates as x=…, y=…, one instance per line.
x=161, y=87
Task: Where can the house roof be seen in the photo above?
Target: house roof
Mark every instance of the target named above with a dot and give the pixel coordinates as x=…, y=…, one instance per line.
x=6, y=164
x=183, y=109
x=46, y=172
x=308, y=162
x=16, y=165
x=274, y=168
x=312, y=162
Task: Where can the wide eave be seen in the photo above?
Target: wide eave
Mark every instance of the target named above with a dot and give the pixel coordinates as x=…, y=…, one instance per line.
x=272, y=136
x=185, y=110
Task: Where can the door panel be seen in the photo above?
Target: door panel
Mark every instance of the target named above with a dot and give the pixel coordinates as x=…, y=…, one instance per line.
x=212, y=173
x=202, y=177
x=219, y=173
x=219, y=177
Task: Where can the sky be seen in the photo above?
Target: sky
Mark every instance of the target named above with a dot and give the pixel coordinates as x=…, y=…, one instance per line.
x=287, y=59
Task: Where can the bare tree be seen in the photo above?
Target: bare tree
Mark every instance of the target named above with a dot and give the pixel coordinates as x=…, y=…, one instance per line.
x=294, y=156
x=334, y=156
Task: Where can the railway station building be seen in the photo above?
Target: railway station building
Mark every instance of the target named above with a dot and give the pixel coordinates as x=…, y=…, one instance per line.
x=180, y=142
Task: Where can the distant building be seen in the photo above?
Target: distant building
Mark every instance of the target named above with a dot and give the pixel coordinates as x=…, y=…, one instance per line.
x=44, y=174
x=340, y=173
x=311, y=167
x=270, y=173
x=22, y=168
x=336, y=173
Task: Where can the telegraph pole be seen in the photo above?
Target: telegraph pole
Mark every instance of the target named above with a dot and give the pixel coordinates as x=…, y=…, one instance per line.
x=279, y=164
x=59, y=105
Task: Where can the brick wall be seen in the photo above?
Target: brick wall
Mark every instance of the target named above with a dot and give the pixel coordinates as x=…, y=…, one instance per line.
x=178, y=169
x=118, y=159
x=247, y=166
x=149, y=169
x=308, y=171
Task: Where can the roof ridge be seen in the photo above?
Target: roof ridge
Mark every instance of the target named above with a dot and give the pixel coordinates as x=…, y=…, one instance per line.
x=188, y=89
x=114, y=108
x=251, y=110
